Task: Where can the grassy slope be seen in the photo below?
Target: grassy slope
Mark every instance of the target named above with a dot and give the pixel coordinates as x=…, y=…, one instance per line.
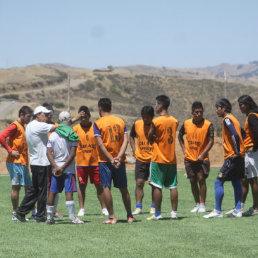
x=190, y=235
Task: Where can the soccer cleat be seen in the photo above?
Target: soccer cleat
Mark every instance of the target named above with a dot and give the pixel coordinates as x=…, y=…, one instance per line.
x=213, y=214
x=105, y=212
x=18, y=217
x=110, y=221
x=152, y=210
x=202, y=208
x=58, y=215
x=76, y=221
x=236, y=214
x=250, y=212
x=137, y=211
x=196, y=208
x=173, y=215
x=50, y=221
x=131, y=219
x=81, y=213
x=153, y=217
x=230, y=211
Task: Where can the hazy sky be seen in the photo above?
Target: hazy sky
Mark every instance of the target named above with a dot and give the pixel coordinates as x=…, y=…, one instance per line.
x=94, y=33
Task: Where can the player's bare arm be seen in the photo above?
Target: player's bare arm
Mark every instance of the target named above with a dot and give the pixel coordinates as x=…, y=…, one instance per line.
x=51, y=159
x=103, y=149
x=181, y=142
x=207, y=149
x=77, y=117
x=53, y=128
x=132, y=144
x=122, y=150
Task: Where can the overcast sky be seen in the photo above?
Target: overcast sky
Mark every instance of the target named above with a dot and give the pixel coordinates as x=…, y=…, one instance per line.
x=94, y=34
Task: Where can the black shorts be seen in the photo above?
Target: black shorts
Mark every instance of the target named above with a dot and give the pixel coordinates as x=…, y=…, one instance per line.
x=142, y=170
x=192, y=168
x=232, y=169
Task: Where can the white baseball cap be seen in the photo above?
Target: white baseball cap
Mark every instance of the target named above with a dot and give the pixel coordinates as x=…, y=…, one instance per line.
x=41, y=109
x=64, y=116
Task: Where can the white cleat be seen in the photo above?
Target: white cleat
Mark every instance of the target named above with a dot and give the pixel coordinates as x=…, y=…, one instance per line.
x=236, y=214
x=213, y=214
x=76, y=221
x=229, y=212
x=104, y=212
x=196, y=208
x=81, y=213
x=155, y=218
x=202, y=208
x=137, y=211
x=173, y=214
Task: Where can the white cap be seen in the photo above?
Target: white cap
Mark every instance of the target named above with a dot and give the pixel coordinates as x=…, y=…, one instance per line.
x=41, y=109
x=64, y=116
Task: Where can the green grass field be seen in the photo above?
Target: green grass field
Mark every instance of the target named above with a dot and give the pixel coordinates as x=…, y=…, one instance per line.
x=189, y=236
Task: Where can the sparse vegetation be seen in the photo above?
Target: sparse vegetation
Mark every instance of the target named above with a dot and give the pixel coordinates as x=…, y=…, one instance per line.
x=59, y=104
x=11, y=96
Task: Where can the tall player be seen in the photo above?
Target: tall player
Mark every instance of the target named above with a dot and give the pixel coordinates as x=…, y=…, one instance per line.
x=163, y=171
x=112, y=139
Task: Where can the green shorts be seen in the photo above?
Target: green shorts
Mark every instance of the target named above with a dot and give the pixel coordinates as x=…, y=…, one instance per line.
x=163, y=174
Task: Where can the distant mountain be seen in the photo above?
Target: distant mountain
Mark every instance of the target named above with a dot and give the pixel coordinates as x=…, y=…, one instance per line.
x=233, y=72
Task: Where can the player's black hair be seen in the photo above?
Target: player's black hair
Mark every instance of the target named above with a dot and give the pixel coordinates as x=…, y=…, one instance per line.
x=164, y=101
x=85, y=109
x=48, y=106
x=105, y=104
x=147, y=110
x=24, y=110
x=247, y=100
x=197, y=104
x=224, y=103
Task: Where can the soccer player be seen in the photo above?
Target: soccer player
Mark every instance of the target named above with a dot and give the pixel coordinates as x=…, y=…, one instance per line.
x=142, y=151
x=49, y=121
x=37, y=136
x=199, y=140
x=61, y=149
x=112, y=139
x=87, y=160
x=17, y=159
x=163, y=171
x=233, y=167
x=250, y=109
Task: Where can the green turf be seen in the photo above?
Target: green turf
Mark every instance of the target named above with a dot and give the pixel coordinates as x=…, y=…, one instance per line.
x=189, y=236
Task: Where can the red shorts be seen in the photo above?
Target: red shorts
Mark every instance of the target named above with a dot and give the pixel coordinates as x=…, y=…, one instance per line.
x=84, y=172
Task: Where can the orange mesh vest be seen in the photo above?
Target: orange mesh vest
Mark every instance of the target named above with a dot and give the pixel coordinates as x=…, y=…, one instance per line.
x=164, y=147
x=144, y=149
x=196, y=139
x=228, y=143
x=112, y=133
x=18, y=143
x=86, y=152
x=249, y=138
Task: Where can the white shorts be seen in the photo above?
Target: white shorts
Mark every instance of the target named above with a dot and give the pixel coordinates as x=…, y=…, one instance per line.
x=251, y=164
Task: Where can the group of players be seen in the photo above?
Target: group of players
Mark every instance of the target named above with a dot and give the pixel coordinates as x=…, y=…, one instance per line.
x=97, y=150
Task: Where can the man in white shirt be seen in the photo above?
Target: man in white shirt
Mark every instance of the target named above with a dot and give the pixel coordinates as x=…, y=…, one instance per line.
x=61, y=150
x=37, y=136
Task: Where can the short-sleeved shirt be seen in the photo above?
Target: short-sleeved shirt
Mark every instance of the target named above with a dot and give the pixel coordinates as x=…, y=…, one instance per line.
x=164, y=146
x=196, y=138
x=61, y=151
x=111, y=129
x=86, y=152
x=37, y=137
x=143, y=151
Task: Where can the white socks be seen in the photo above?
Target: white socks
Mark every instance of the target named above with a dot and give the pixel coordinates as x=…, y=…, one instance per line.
x=56, y=201
x=70, y=208
x=50, y=212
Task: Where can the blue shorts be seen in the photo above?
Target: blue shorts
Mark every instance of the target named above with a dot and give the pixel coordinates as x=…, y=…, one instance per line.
x=67, y=181
x=19, y=174
x=107, y=172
